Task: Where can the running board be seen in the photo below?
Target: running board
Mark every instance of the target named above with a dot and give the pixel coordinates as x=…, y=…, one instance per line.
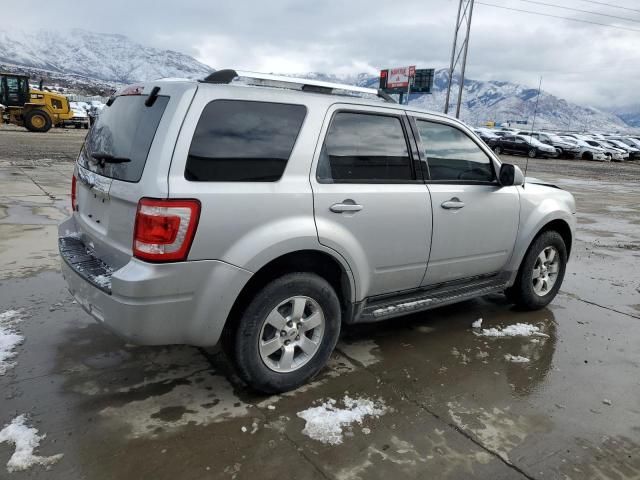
x=378, y=309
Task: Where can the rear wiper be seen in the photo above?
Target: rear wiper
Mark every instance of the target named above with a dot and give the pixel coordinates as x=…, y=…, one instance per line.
x=104, y=157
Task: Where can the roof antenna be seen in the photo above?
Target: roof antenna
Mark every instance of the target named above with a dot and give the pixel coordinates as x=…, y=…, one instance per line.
x=533, y=123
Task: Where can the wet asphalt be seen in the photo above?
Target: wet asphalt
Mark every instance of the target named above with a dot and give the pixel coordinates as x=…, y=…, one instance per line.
x=456, y=408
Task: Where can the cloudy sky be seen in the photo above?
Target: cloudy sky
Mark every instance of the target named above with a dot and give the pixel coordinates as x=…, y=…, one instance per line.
x=581, y=62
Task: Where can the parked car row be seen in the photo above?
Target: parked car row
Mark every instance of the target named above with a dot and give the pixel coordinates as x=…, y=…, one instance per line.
x=585, y=146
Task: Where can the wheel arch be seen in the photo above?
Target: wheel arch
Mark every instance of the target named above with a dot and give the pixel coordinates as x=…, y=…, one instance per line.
x=560, y=226
x=333, y=270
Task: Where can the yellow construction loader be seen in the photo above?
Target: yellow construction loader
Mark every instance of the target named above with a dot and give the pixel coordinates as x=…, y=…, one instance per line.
x=37, y=110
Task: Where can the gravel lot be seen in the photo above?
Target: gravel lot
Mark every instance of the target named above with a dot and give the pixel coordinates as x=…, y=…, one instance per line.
x=435, y=399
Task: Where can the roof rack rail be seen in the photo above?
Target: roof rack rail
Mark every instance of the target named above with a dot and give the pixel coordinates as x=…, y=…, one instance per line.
x=306, y=85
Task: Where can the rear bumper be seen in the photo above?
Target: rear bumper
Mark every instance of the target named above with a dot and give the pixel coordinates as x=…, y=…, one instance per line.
x=158, y=304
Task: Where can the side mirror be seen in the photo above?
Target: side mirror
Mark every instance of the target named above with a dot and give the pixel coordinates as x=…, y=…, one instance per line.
x=510, y=175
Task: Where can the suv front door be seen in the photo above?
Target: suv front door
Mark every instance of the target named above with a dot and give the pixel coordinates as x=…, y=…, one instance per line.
x=370, y=203
x=475, y=219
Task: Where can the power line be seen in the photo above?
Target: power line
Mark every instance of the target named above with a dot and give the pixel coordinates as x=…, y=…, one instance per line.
x=611, y=5
x=558, y=16
x=590, y=12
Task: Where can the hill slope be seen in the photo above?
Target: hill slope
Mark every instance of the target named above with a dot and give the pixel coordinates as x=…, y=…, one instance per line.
x=105, y=57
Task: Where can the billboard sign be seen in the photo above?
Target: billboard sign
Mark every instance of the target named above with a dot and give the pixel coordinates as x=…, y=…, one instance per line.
x=400, y=77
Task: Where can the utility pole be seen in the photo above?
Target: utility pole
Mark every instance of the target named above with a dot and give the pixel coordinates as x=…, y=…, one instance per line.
x=463, y=22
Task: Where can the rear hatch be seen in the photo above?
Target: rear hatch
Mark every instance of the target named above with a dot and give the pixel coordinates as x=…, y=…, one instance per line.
x=126, y=156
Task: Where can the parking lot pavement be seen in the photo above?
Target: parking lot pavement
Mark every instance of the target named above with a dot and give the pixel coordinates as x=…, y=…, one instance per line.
x=445, y=402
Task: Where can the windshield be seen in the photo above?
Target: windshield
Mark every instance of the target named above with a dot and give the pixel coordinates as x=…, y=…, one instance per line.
x=125, y=130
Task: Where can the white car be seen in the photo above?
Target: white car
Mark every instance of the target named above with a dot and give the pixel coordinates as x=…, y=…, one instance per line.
x=588, y=152
x=615, y=154
x=80, y=118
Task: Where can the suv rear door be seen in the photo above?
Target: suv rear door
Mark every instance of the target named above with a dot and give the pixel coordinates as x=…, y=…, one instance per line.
x=126, y=156
x=475, y=219
x=370, y=203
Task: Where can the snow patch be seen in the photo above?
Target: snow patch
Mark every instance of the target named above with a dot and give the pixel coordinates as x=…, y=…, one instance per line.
x=401, y=307
x=516, y=330
x=325, y=422
x=515, y=358
x=102, y=281
x=477, y=323
x=9, y=339
x=26, y=440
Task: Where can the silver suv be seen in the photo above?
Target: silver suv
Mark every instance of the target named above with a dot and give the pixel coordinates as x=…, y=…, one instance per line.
x=264, y=212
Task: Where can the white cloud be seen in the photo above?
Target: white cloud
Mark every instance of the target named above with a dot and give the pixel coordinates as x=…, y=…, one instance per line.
x=581, y=62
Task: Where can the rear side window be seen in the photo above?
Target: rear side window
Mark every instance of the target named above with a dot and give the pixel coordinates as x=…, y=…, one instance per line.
x=243, y=141
x=364, y=148
x=452, y=155
x=118, y=143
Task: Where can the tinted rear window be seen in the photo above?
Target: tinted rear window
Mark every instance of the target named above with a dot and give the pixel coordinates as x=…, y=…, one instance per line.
x=124, y=130
x=243, y=141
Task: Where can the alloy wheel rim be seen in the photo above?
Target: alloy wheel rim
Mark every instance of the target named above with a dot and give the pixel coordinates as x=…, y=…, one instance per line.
x=545, y=271
x=291, y=334
x=37, y=121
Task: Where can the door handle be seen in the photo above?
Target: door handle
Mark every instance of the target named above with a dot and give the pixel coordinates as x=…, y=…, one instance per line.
x=347, y=205
x=453, y=204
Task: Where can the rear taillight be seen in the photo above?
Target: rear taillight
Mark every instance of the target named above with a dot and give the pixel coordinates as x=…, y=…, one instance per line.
x=164, y=229
x=74, y=203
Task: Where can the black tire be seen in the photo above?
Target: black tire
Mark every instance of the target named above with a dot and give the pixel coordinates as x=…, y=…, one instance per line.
x=497, y=149
x=533, y=153
x=86, y=126
x=587, y=156
x=37, y=121
x=561, y=153
x=242, y=344
x=522, y=292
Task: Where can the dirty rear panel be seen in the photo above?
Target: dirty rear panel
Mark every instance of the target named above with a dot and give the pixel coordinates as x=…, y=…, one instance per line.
x=142, y=139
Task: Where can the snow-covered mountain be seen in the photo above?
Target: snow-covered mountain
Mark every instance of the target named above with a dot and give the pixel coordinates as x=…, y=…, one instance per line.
x=106, y=57
x=630, y=114
x=501, y=102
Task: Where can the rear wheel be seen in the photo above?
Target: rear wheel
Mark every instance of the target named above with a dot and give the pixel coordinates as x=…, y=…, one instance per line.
x=541, y=272
x=286, y=334
x=37, y=121
x=497, y=149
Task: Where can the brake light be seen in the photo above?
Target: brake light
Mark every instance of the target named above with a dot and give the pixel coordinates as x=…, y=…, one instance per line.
x=164, y=229
x=74, y=205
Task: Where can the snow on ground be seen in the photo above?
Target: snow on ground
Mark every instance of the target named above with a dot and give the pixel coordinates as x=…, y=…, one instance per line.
x=26, y=440
x=516, y=330
x=325, y=422
x=477, y=323
x=515, y=358
x=9, y=339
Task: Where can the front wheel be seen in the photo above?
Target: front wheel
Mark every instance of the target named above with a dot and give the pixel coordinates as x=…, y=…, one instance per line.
x=286, y=334
x=497, y=149
x=541, y=272
x=533, y=153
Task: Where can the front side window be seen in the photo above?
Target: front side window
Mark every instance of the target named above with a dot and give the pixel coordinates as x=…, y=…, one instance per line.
x=243, y=141
x=364, y=148
x=452, y=155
